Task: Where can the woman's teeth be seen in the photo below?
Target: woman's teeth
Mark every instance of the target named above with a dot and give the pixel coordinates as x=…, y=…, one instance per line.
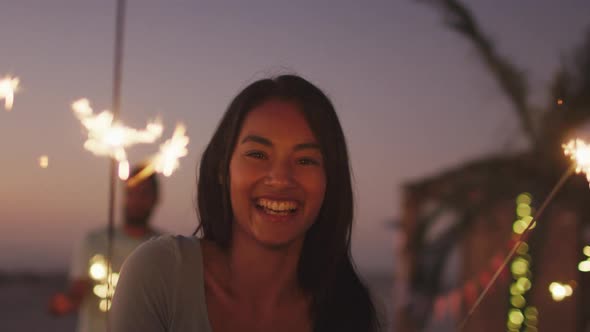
x=277, y=207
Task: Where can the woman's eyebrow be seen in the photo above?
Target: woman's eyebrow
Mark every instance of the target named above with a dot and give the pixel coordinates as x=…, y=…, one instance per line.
x=307, y=146
x=266, y=142
x=257, y=139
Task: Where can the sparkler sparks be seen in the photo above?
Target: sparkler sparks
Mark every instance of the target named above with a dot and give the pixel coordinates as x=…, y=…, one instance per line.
x=8, y=86
x=107, y=137
x=166, y=161
x=579, y=153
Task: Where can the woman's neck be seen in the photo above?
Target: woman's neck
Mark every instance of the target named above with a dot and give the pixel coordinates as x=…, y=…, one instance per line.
x=261, y=274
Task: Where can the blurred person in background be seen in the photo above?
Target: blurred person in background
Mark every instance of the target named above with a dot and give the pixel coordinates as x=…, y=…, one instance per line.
x=87, y=291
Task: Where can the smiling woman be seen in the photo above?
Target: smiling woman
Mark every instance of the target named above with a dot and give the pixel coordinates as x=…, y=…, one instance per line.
x=275, y=209
x=277, y=178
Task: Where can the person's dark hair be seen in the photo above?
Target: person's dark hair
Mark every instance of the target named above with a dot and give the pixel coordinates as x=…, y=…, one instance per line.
x=341, y=302
x=152, y=179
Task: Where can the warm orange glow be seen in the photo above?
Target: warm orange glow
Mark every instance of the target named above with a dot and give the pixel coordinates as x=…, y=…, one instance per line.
x=559, y=101
x=144, y=173
x=8, y=86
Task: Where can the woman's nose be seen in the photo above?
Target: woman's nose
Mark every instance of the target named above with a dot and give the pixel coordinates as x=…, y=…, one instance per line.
x=280, y=174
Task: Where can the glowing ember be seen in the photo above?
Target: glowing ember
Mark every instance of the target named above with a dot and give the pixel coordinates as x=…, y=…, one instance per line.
x=8, y=86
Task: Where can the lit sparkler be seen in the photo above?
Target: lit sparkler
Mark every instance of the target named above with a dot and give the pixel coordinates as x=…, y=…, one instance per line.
x=110, y=138
x=8, y=86
x=166, y=161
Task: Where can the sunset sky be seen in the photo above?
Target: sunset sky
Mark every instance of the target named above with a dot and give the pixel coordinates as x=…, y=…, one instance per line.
x=412, y=96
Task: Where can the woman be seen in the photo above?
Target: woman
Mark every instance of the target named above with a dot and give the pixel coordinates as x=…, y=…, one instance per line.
x=275, y=208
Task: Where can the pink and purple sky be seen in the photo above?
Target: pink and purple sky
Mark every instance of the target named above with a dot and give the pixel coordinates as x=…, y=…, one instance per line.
x=412, y=96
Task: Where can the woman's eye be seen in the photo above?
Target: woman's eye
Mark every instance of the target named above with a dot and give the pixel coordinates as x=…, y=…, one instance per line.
x=256, y=155
x=308, y=161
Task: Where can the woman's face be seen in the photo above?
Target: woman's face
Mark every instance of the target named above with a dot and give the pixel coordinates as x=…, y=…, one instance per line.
x=277, y=178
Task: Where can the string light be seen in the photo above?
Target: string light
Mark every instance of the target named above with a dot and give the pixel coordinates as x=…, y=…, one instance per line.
x=105, y=285
x=519, y=315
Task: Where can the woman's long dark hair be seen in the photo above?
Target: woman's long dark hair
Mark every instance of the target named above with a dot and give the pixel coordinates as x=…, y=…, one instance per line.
x=341, y=302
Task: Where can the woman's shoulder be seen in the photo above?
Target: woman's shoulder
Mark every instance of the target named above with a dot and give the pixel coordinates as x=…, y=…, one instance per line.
x=166, y=251
x=170, y=241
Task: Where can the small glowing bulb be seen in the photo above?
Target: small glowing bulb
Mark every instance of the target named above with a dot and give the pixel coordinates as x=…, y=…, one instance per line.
x=519, y=267
x=98, y=268
x=114, y=279
x=104, y=305
x=524, y=198
x=518, y=301
x=560, y=291
x=98, y=271
x=524, y=283
x=523, y=210
x=584, y=266
x=516, y=317
x=43, y=161
x=100, y=291
x=523, y=248
x=515, y=289
x=531, y=312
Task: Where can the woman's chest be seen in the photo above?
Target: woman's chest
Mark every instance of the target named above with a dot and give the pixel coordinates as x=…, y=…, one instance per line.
x=225, y=317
